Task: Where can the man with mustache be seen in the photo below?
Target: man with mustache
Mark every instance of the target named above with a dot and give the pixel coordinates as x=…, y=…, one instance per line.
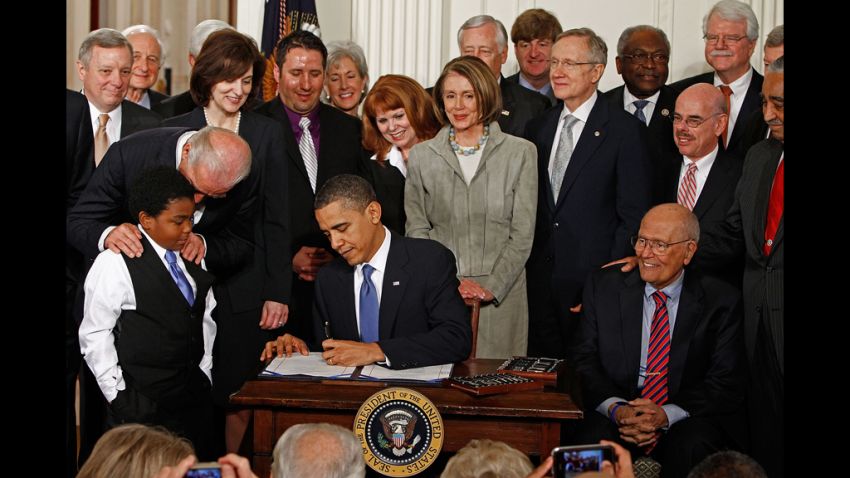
x=643, y=54
x=731, y=30
x=703, y=178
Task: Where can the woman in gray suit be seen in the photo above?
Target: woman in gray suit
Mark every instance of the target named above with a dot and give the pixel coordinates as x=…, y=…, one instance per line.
x=474, y=189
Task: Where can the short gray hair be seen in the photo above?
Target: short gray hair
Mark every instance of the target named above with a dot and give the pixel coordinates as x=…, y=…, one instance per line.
x=104, y=38
x=778, y=65
x=202, y=151
x=483, y=457
x=598, y=48
x=735, y=11
x=776, y=37
x=480, y=21
x=337, y=50
x=202, y=31
x=345, y=460
x=132, y=30
x=628, y=32
x=727, y=463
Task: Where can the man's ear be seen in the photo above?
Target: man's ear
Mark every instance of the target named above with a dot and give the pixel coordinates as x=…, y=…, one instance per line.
x=691, y=250
x=374, y=212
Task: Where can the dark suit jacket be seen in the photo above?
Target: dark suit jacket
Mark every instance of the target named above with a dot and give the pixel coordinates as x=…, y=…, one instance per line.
x=522, y=105
x=706, y=372
x=549, y=96
x=156, y=97
x=272, y=264
x=603, y=197
x=752, y=102
x=226, y=222
x=175, y=105
x=660, y=143
x=711, y=207
x=755, y=130
x=743, y=232
x=423, y=320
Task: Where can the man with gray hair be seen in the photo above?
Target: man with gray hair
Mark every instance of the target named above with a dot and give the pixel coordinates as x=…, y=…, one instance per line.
x=102, y=117
x=660, y=352
x=731, y=30
x=643, y=54
x=318, y=450
x=594, y=187
x=147, y=59
x=774, y=47
x=485, y=37
x=183, y=103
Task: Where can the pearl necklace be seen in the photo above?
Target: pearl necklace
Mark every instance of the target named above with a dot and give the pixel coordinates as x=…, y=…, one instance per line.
x=238, y=119
x=464, y=150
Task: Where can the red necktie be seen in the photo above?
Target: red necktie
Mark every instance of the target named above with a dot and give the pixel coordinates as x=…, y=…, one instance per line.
x=658, y=356
x=775, y=207
x=688, y=189
x=727, y=92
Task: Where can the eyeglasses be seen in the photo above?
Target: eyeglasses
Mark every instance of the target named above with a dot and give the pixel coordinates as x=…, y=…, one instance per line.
x=731, y=39
x=568, y=64
x=692, y=121
x=641, y=58
x=659, y=248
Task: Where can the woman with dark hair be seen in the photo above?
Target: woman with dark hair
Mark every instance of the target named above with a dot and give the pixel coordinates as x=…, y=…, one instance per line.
x=253, y=301
x=397, y=115
x=474, y=189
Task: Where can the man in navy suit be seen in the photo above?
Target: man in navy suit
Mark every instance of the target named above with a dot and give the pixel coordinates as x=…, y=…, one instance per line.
x=661, y=351
x=594, y=187
x=731, y=31
x=387, y=299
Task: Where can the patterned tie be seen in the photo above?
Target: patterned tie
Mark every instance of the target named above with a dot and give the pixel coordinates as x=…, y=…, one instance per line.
x=368, y=307
x=727, y=92
x=179, y=277
x=639, y=105
x=308, y=151
x=775, y=207
x=101, y=140
x=688, y=189
x=562, y=155
x=657, y=357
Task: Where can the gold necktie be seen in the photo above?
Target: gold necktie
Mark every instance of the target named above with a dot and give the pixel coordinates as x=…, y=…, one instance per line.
x=101, y=140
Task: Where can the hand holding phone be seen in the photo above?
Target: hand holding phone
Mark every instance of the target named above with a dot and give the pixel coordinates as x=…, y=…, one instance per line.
x=572, y=460
x=205, y=470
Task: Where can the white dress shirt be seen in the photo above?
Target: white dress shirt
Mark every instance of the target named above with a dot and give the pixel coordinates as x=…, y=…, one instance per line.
x=113, y=126
x=581, y=113
x=379, y=263
x=629, y=103
x=108, y=292
x=704, y=165
x=739, y=91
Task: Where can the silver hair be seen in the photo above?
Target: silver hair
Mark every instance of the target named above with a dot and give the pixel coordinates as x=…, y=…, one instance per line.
x=342, y=461
x=735, y=11
x=598, y=48
x=628, y=32
x=776, y=37
x=337, y=50
x=132, y=30
x=202, y=31
x=481, y=20
x=202, y=151
x=104, y=38
x=778, y=65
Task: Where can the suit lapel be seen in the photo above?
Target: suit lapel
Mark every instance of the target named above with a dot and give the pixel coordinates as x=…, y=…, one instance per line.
x=279, y=113
x=763, y=195
x=344, y=306
x=591, y=138
x=688, y=316
x=441, y=147
x=548, y=135
x=717, y=181
x=395, y=283
x=665, y=106
x=752, y=102
x=631, y=322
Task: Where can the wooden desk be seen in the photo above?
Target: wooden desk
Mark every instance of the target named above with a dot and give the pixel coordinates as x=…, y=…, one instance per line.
x=528, y=421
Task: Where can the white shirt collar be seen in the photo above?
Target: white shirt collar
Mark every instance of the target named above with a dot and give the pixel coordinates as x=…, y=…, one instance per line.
x=379, y=260
x=395, y=158
x=704, y=163
x=629, y=98
x=739, y=86
x=583, y=111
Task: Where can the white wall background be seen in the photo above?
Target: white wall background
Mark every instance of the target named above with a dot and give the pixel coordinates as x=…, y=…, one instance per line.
x=417, y=37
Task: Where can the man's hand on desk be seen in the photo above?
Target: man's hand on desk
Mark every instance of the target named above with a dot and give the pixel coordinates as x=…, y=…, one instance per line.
x=286, y=343
x=351, y=354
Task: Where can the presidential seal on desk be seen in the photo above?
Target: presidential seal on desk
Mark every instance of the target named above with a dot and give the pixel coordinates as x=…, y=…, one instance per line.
x=400, y=430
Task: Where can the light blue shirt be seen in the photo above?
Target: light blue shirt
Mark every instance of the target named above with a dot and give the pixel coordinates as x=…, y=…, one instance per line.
x=674, y=293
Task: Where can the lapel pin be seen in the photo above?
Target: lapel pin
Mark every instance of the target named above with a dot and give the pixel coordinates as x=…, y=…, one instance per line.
x=395, y=283
x=506, y=112
x=596, y=133
x=665, y=112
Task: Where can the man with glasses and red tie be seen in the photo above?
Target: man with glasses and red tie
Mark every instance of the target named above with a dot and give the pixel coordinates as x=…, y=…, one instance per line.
x=660, y=351
x=731, y=31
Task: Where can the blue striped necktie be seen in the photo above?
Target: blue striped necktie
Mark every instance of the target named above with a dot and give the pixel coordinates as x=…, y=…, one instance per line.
x=179, y=277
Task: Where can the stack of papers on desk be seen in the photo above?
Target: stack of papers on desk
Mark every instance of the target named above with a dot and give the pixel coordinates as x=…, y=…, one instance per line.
x=310, y=365
x=433, y=373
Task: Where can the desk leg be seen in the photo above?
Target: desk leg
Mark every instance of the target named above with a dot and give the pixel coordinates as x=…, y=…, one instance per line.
x=261, y=460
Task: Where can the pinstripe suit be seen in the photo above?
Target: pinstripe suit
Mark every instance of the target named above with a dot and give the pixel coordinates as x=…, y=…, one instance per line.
x=764, y=290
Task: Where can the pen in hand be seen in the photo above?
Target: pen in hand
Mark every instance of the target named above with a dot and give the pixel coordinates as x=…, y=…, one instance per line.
x=328, y=330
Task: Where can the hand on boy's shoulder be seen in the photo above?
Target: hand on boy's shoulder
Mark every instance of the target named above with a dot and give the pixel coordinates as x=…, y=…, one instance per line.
x=124, y=238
